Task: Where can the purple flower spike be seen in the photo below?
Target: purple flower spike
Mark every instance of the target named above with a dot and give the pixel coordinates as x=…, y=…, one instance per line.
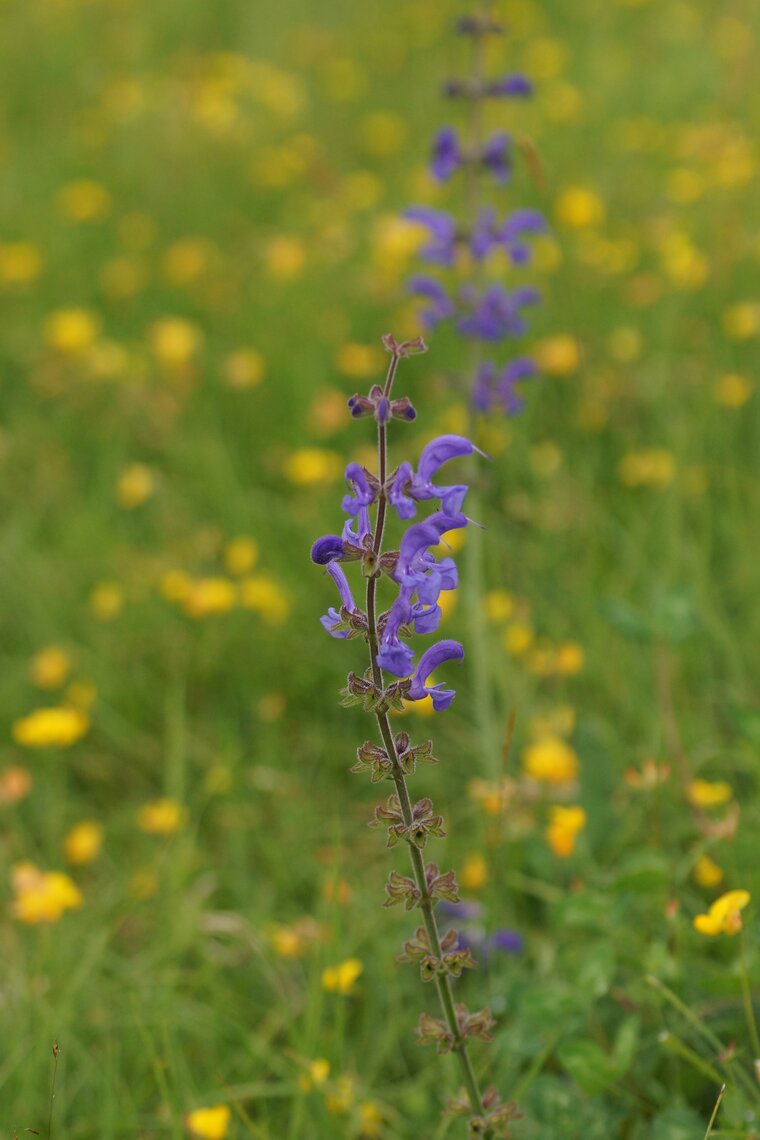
x=443, y=233
x=514, y=86
x=364, y=492
x=507, y=940
x=394, y=656
x=496, y=156
x=440, y=307
x=495, y=314
x=327, y=549
x=510, y=234
x=406, y=486
x=415, y=543
x=332, y=618
x=499, y=389
x=430, y=660
x=446, y=156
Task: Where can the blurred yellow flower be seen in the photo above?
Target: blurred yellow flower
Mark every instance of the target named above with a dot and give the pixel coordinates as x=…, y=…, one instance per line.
x=135, y=485
x=243, y=368
x=684, y=185
x=394, y=240
x=266, y=597
x=70, y=332
x=732, y=390
x=42, y=896
x=83, y=842
x=50, y=728
x=284, y=258
x=186, y=260
x=20, y=263
x=370, y=1119
x=295, y=939
x=174, y=341
x=209, y=596
x=122, y=277
x=518, y=638
x=84, y=201
x=50, y=667
x=650, y=467
x=684, y=264
x=551, y=760
x=724, y=915
x=341, y=979
x=577, y=208
x=209, y=1123
x=707, y=873
x=567, y=659
x=382, y=133
x=498, y=605
x=474, y=874
x=240, y=555
x=175, y=585
x=565, y=825
x=313, y=466
x=545, y=458
x=316, y=1074
x=557, y=355
x=624, y=344
x=342, y=1096
x=709, y=793
x=492, y=795
x=742, y=320
x=358, y=361
x=107, y=600
x=15, y=784
x=161, y=817
x=557, y=721
x=544, y=58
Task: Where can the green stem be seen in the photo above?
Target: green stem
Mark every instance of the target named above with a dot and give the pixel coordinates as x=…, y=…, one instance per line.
x=749, y=1009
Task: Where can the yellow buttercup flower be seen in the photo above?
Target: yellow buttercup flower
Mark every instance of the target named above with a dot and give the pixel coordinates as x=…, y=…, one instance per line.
x=107, y=600
x=266, y=597
x=341, y=979
x=174, y=342
x=84, y=201
x=161, y=817
x=72, y=331
x=565, y=824
x=243, y=368
x=733, y=390
x=550, y=760
x=474, y=874
x=208, y=596
x=558, y=355
x=50, y=667
x=135, y=485
x=742, y=320
x=42, y=896
x=316, y=1074
x=499, y=605
x=518, y=638
x=313, y=466
x=209, y=1123
x=240, y=555
x=83, y=842
x=707, y=873
x=652, y=467
x=50, y=728
x=284, y=258
x=709, y=793
x=20, y=263
x=358, y=361
x=724, y=915
x=579, y=208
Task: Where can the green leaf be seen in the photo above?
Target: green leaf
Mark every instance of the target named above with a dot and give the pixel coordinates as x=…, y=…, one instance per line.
x=643, y=871
x=588, y=1065
x=626, y=1043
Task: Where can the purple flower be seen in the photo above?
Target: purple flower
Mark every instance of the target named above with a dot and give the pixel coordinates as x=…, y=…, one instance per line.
x=394, y=656
x=496, y=313
x=446, y=156
x=430, y=660
x=414, y=562
x=510, y=233
x=327, y=548
x=496, y=156
x=332, y=618
x=494, y=388
x=515, y=84
x=507, y=940
x=354, y=539
x=443, y=233
x=408, y=486
x=364, y=492
x=440, y=306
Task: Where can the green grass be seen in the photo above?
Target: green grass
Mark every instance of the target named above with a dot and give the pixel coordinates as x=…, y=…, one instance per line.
x=178, y=1000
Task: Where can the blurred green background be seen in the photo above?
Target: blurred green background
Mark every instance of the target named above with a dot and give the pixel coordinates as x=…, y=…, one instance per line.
x=200, y=247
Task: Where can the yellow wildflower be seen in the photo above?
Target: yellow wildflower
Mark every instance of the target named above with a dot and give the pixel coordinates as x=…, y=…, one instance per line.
x=50, y=667
x=724, y=915
x=624, y=344
x=106, y=600
x=240, y=555
x=558, y=355
x=708, y=793
x=557, y=721
x=42, y=896
x=84, y=200
x=492, y=795
x=70, y=332
x=742, y=320
x=565, y=824
x=208, y=596
x=652, y=467
x=161, y=817
x=544, y=58
x=266, y=597
x=175, y=585
x=209, y=1123
x=174, y=341
x=284, y=258
x=474, y=874
x=50, y=727
x=447, y=600
x=578, y=208
x=733, y=390
x=707, y=873
x=370, y=1118
x=295, y=939
x=568, y=659
x=382, y=133
x=243, y=368
x=341, y=979
x=186, y=260
x=358, y=361
x=135, y=485
x=545, y=458
x=15, y=784
x=122, y=277
x=20, y=263
x=316, y=1074
x=339, y=1101
x=313, y=466
x=83, y=842
x=498, y=605
x=518, y=638
x=550, y=760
